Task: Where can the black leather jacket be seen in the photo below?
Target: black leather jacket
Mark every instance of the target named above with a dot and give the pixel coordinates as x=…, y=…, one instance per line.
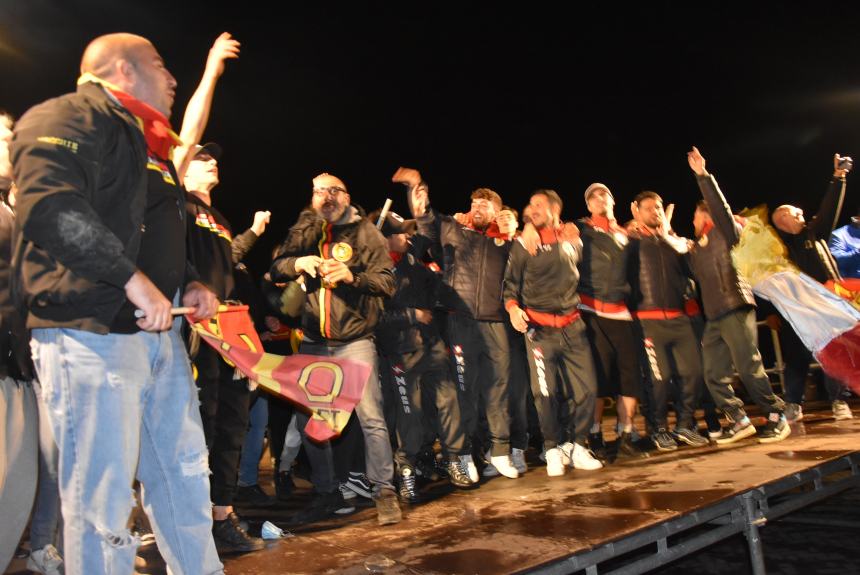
x=473, y=265
x=721, y=287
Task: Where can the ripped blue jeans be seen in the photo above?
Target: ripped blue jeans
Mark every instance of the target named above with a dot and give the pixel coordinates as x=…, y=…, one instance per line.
x=125, y=407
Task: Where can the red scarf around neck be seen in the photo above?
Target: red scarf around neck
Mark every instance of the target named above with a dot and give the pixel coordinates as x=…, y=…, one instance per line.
x=160, y=137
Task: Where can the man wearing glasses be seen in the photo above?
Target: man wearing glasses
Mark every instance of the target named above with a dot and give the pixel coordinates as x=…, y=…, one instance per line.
x=347, y=272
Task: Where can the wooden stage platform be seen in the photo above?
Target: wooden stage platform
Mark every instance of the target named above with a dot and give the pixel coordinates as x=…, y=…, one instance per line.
x=629, y=517
x=674, y=503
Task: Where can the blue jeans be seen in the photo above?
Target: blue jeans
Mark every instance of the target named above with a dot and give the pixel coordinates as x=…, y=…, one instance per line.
x=252, y=451
x=125, y=406
x=377, y=447
x=45, y=520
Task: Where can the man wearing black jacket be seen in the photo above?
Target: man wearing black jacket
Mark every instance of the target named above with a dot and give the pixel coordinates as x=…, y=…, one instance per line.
x=224, y=399
x=541, y=299
x=474, y=256
x=729, y=341
x=413, y=350
x=347, y=273
x=102, y=233
x=807, y=247
x=660, y=281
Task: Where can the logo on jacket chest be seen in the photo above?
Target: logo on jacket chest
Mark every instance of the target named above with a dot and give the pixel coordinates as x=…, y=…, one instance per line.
x=341, y=251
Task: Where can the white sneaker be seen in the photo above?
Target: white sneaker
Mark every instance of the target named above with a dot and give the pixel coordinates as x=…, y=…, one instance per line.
x=518, y=457
x=45, y=560
x=793, y=412
x=503, y=465
x=554, y=463
x=467, y=463
x=566, y=452
x=841, y=410
x=582, y=458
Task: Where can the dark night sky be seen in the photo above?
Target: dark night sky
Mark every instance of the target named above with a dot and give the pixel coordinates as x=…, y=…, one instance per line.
x=477, y=96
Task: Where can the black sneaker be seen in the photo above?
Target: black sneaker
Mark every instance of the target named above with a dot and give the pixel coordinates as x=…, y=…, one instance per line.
x=322, y=506
x=597, y=445
x=457, y=475
x=663, y=441
x=690, y=437
x=626, y=446
x=253, y=496
x=231, y=538
x=408, y=492
x=284, y=485
x=359, y=484
x=776, y=429
x=426, y=468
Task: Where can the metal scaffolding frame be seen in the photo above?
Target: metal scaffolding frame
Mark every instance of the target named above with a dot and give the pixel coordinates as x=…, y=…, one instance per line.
x=746, y=512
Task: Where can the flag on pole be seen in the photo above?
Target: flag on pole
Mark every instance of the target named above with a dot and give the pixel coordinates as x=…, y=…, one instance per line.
x=329, y=387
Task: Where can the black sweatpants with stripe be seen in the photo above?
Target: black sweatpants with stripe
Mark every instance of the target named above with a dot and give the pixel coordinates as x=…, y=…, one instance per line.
x=552, y=352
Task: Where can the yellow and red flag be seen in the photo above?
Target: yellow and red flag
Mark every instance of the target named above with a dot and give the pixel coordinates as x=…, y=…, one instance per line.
x=329, y=387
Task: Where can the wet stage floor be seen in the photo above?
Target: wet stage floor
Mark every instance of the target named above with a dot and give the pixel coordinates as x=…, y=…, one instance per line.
x=512, y=526
x=508, y=526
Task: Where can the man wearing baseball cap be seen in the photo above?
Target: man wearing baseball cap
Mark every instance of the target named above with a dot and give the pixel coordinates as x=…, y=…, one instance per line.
x=413, y=351
x=603, y=292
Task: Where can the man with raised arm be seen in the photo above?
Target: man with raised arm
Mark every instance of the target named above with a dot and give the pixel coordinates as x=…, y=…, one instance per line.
x=729, y=341
x=474, y=255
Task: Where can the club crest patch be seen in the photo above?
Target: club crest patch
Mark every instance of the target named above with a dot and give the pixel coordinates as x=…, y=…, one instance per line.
x=342, y=252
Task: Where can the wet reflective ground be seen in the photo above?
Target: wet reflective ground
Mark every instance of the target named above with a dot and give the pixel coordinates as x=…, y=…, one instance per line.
x=510, y=526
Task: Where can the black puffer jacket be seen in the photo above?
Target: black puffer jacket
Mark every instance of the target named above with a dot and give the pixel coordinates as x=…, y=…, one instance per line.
x=722, y=288
x=603, y=268
x=473, y=265
x=659, y=276
x=398, y=331
x=346, y=312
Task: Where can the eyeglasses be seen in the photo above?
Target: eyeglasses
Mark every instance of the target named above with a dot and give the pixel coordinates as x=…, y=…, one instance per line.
x=332, y=191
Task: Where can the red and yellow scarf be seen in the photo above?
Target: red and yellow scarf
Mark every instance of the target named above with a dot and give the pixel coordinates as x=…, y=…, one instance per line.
x=160, y=137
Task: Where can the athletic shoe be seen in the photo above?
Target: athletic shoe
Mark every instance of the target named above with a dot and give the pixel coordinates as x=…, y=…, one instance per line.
x=323, y=506
x=46, y=560
x=359, y=484
x=468, y=464
x=518, y=457
x=627, y=446
x=841, y=410
x=230, y=537
x=663, y=441
x=554, y=463
x=458, y=475
x=690, y=437
x=776, y=429
x=740, y=430
x=346, y=492
x=408, y=492
x=500, y=464
x=793, y=412
x=582, y=458
x=597, y=445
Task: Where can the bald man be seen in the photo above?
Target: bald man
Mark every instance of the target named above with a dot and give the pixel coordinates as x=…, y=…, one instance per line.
x=807, y=247
x=347, y=273
x=102, y=262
